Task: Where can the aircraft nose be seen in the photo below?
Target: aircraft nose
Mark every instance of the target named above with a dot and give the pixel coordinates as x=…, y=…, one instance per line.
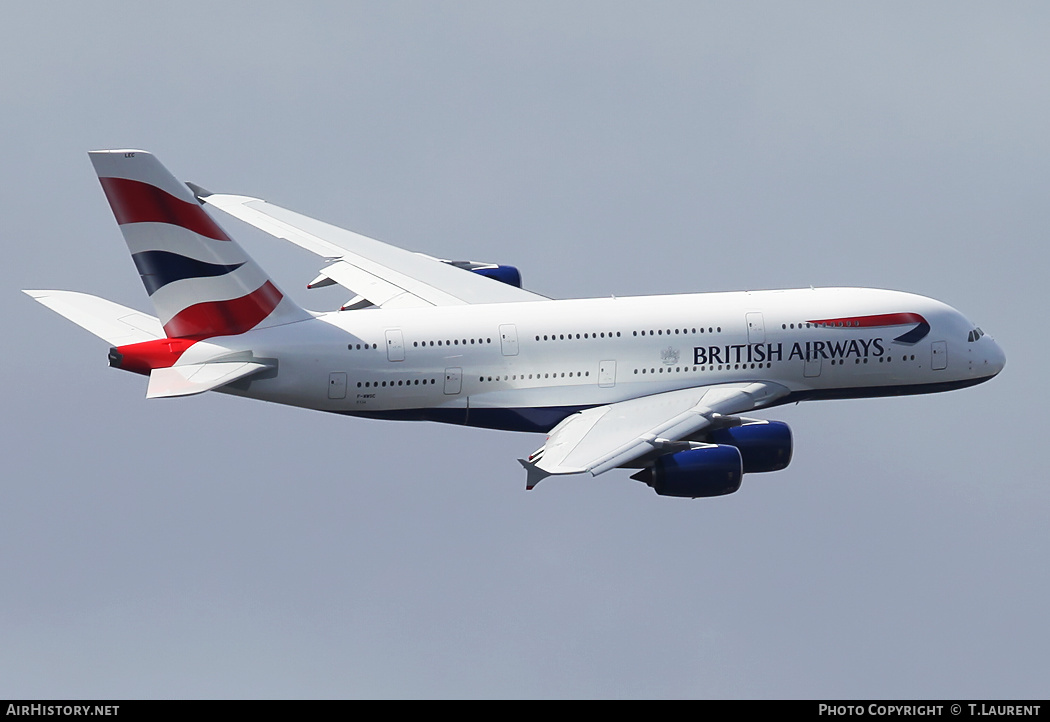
x=995, y=359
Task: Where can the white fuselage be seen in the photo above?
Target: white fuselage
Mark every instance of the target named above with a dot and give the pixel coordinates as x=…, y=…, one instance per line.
x=526, y=366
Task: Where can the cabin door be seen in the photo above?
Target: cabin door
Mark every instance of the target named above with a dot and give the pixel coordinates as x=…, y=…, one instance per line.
x=337, y=385
x=812, y=367
x=508, y=339
x=395, y=345
x=756, y=328
x=939, y=362
x=453, y=381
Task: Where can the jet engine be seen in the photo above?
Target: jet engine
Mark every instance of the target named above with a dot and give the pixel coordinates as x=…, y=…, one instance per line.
x=763, y=445
x=506, y=274
x=706, y=471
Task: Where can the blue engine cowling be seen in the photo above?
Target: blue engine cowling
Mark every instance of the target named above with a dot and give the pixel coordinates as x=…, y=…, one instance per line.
x=505, y=274
x=764, y=445
x=709, y=471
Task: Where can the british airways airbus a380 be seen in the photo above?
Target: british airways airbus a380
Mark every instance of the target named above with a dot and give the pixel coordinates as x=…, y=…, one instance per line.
x=654, y=383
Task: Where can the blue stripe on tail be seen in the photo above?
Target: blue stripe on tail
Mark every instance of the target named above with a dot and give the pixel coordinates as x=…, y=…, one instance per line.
x=159, y=268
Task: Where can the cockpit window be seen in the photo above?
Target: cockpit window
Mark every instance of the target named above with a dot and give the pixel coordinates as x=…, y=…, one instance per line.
x=974, y=335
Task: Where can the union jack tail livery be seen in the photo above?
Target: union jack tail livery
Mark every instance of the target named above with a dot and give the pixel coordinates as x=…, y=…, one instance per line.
x=201, y=282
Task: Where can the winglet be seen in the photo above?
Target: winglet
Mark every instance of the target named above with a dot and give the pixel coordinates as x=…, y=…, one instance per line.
x=199, y=193
x=534, y=474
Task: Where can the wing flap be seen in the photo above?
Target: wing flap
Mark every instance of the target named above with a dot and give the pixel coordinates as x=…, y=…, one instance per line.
x=378, y=290
x=429, y=280
x=192, y=379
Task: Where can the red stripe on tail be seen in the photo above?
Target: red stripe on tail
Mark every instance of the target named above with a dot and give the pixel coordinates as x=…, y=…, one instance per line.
x=137, y=202
x=225, y=318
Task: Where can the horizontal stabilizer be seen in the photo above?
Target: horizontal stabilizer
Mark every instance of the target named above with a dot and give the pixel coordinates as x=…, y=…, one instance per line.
x=197, y=378
x=119, y=325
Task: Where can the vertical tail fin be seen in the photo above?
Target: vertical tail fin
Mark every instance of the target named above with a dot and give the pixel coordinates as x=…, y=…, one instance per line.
x=200, y=281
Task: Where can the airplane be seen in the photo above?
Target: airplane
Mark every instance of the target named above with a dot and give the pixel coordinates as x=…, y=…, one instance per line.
x=654, y=384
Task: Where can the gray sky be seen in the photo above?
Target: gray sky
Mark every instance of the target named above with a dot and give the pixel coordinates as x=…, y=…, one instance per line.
x=213, y=546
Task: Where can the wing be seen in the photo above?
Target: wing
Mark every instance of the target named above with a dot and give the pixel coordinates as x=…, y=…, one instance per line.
x=387, y=276
x=607, y=437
